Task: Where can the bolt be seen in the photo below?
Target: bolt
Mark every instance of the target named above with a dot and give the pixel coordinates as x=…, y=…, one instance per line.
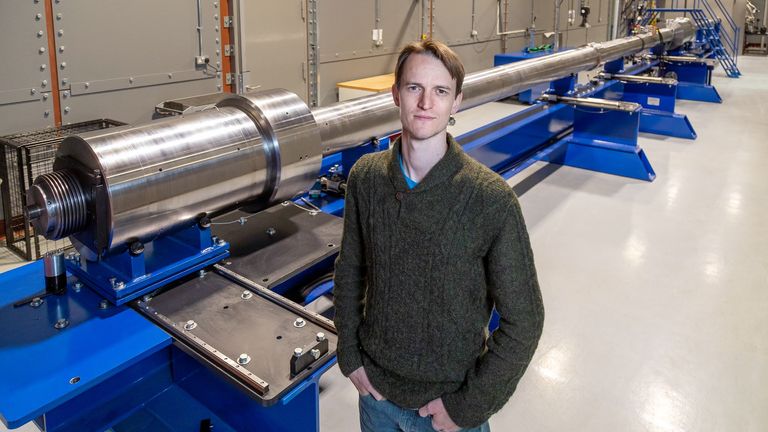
x=58, y=16
x=40, y=33
x=38, y=17
x=298, y=352
x=41, y=50
x=43, y=66
x=218, y=87
x=45, y=82
x=244, y=359
x=64, y=81
x=201, y=274
x=33, y=91
x=190, y=325
x=242, y=221
x=299, y=323
x=246, y=295
x=315, y=353
x=60, y=324
x=320, y=337
x=47, y=113
x=271, y=231
x=61, y=48
x=36, y=302
x=45, y=96
x=119, y=285
x=103, y=304
x=66, y=94
x=130, y=80
x=87, y=85
x=221, y=242
x=136, y=248
x=63, y=65
x=61, y=33
x=170, y=75
x=78, y=286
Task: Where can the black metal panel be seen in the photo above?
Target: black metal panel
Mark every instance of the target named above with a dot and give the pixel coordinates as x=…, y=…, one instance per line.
x=218, y=320
x=279, y=242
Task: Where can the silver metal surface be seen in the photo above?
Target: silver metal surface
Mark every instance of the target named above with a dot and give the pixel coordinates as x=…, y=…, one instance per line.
x=57, y=205
x=639, y=78
x=350, y=123
x=601, y=103
x=53, y=264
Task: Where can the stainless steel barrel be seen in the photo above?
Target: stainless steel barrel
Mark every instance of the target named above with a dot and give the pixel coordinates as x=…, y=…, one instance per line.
x=350, y=123
x=154, y=177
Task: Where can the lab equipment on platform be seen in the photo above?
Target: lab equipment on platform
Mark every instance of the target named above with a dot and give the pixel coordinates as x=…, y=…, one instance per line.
x=191, y=245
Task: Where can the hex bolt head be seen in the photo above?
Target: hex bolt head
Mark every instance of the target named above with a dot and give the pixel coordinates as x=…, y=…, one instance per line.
x=40, y=33
x=38, y=17
x=45, y=82
x=315, y=353
x=77, y=286
x=45, y=96
x=58, y=16
x=43, y=66
x=60, y=324
x=119, y=285
x=33, y=91
x=299, y=323
x=61, y=48
x=220, y=242
x=190, y=325
x=63, y=65
x=320, y=336
x=298, y=352
x=36, y=302
x=271, y=231
x=41, y=50
x=244, y=359
x=103, y=304
x=246, y=295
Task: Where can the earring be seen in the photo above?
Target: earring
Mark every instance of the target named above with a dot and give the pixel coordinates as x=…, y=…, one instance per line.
x=451, y=120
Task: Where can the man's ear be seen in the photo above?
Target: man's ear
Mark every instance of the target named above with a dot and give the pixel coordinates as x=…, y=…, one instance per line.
x=396, y=95
x=457, y=103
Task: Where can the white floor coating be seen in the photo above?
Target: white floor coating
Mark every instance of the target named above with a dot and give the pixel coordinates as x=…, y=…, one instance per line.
x=656, y=294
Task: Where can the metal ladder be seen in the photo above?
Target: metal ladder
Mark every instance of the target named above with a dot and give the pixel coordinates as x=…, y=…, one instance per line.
x=724, y=47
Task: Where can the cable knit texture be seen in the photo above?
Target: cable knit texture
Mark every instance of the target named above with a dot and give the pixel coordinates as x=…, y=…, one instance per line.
x=418, y=275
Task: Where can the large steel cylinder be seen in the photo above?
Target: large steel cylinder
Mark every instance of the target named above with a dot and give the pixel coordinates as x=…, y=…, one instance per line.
x=130, y=184
x=350, y=123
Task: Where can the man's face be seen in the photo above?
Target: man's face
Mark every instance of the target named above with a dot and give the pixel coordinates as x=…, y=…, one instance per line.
x=426, y=97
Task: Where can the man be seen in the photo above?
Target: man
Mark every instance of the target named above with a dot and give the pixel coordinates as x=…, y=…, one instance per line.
x=433, y=240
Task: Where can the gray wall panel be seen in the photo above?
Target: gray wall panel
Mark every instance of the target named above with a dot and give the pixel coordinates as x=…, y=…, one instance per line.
x=132, y=105
x=335, y=72
x=275, y=42
x=26, y=116
x=25, y=71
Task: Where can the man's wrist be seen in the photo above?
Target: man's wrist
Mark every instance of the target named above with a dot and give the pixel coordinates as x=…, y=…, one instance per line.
x=349, y=360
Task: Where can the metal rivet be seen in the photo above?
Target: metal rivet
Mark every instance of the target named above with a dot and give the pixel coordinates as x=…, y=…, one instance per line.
x=103, y=304
x=61, y=32
x=271, y=231
x=244, y=359
x=87, y=85
x=33, y=91
x=45, y=96
x=43, y=66
x=61, y=48
x=58, y=16
x=299, y=323
x=64, y=81
x=298, y=352
x=246, y=295
x=42, y=50
x=38, y=17
x=190, y=325
x=66, y=111
x=46, y=113
x=40, y=33
x=77, y=286
x=320, y=337
x=170, y=75
x=60, y=324
x=130, y=80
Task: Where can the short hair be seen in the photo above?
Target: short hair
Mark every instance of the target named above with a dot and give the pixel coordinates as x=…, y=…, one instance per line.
x=438, y=50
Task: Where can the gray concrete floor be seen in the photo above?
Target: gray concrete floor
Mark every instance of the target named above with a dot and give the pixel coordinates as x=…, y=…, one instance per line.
x=656, y=293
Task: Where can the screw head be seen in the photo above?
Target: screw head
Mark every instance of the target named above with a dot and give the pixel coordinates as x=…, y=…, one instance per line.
x=220, y=242
x=33, y=91
x=38, y=17
x=246, y=295
x=77, y=286
x=40, y=33
x=190, y=325
x=244, y=359
x=36, y=302
x=60, y=324
x=298, y=352
x=119, y=285
x=201, y=274
x=315, y=353
x=41, y=50
x=103, y=304
x=61, y=48
x=299, y=323
x=63, y=65
x=136, y=248
x=61, y=32
x=320, y=337
x=271, y=231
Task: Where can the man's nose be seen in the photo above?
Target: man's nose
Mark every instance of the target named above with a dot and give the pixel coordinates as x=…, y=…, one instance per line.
x=425, y=101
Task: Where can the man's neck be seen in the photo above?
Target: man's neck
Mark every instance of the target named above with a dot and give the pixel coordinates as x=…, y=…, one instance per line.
x=419, y=156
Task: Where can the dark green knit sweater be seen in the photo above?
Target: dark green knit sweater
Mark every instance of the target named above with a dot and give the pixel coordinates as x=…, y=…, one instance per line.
x=417, y=277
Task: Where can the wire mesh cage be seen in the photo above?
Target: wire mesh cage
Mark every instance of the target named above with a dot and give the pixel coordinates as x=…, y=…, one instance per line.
x=23, y=157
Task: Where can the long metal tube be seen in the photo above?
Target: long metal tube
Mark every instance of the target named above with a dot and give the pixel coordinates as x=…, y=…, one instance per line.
x=348, y=124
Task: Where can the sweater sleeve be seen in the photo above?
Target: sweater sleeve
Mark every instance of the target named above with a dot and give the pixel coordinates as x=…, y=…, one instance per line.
x=349, y=279
x=514, y=288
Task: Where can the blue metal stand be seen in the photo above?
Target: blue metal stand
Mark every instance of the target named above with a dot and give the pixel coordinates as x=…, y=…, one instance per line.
x=124, y=276
x=604, y=141
x=531, y=95
x=698, y=92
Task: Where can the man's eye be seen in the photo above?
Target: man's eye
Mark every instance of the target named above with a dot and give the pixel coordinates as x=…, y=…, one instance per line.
x=412, y=88
x=442, y=92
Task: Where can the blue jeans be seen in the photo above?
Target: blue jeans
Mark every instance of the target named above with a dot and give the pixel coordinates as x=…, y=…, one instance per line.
x=384, y=416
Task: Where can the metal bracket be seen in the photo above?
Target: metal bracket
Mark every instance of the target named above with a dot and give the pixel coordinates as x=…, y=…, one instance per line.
x=594, y=103
x=230, y=78
x=638, y=79
x=227, y=21
x=229, y=50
